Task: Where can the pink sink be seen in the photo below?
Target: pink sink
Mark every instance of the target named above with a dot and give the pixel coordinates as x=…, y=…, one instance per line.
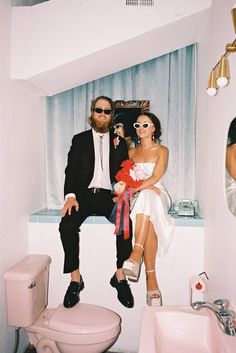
x=180, y=329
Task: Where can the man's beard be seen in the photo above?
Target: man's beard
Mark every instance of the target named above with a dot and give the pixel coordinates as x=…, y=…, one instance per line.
x=101, y=127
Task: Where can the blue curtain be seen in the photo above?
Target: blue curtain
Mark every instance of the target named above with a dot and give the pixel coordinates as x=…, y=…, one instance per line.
x=168, y=82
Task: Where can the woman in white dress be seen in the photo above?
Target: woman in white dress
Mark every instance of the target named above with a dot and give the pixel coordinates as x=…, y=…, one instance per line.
x=230, y=174
x=153, y=227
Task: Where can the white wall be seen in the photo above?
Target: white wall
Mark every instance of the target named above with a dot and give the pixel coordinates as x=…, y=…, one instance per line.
x=213, y=119
x=22, y=188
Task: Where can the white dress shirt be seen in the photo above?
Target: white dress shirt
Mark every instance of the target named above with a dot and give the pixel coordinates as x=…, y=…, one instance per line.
x=101, y=177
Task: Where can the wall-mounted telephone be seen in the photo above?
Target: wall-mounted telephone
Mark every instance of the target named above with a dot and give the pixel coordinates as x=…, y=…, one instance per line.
x=185, y=207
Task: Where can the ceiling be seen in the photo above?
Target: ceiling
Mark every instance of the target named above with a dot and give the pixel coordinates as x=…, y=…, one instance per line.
x=49, y=59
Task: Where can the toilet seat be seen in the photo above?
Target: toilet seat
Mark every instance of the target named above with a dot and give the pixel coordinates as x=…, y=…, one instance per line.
x=83, y=324
x=83, y=319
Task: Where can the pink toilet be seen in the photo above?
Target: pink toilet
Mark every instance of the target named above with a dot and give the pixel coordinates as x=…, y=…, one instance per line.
x=85, y=328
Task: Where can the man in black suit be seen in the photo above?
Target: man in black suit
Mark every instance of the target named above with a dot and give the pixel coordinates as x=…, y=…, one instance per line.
x=94, y=158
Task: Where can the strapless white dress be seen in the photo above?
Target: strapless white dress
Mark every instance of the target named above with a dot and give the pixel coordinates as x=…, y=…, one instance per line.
x=157, y=207
x=230, y=192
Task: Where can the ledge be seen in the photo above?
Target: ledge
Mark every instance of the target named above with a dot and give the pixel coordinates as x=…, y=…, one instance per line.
x=54, y=216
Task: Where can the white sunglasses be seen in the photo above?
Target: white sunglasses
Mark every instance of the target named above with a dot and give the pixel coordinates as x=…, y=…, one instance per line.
x=144, y=125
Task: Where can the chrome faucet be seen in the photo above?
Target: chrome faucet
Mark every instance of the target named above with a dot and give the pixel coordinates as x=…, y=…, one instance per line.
x=225, y=316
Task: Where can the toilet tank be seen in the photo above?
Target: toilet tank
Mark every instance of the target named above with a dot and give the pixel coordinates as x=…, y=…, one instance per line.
x=27, y=289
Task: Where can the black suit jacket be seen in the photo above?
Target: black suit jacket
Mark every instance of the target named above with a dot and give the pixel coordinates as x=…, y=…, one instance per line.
x=81, y=158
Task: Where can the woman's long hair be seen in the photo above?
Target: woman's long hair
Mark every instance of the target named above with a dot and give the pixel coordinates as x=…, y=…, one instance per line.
x=232, y=133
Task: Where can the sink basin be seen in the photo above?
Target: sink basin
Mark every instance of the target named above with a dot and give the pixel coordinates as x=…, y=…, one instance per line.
x=180, y=329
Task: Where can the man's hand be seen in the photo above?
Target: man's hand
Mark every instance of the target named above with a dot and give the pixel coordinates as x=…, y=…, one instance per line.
x=70, y=203
x=115, y=199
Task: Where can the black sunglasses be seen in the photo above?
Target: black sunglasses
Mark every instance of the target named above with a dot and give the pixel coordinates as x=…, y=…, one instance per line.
x=144, y=125
x=100, y=110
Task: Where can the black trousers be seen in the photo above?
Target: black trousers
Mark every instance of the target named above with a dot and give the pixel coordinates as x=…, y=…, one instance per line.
x=100, y=204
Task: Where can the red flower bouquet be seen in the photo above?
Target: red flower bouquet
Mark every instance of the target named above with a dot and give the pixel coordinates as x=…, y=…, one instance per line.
x=129, y=177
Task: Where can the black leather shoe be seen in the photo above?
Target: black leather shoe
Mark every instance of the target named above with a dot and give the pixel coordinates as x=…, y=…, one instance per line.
x=72, y=294
x=124, y=293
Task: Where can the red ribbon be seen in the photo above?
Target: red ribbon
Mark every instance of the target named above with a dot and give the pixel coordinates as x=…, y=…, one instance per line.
x=123, y=201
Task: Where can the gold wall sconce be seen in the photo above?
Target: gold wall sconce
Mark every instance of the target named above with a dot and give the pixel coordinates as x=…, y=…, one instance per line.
x=220, y=75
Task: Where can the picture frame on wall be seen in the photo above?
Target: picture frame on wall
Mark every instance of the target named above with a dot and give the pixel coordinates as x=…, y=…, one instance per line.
x=126, y=113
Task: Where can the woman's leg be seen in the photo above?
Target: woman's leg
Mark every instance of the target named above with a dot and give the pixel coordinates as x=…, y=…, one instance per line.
x=140, y=235
x=131, y=267
x=150, y=251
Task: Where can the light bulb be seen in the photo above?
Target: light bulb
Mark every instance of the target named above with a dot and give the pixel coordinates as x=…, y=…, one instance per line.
x=212, y=86
x=223, y=72
x=211, y=91
x=222, y=81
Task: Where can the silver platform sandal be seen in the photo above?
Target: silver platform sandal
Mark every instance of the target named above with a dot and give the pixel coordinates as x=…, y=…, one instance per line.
x=154, y=297
x=131, y=268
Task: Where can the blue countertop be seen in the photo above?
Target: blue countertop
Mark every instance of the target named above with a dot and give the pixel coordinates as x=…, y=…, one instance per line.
x=54, y=216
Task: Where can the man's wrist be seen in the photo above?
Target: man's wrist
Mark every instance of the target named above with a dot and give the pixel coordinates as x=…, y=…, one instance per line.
x=70, y=195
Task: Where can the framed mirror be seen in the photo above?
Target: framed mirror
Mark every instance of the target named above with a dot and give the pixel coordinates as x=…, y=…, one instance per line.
x=230, y=170
x=126, y=113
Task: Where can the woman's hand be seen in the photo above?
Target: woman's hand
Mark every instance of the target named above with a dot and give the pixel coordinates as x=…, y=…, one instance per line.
x=155, y=188
x=70, y=203
x=151, y=187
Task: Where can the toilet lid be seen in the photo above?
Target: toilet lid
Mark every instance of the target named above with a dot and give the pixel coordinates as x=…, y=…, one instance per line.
x=83, y=319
